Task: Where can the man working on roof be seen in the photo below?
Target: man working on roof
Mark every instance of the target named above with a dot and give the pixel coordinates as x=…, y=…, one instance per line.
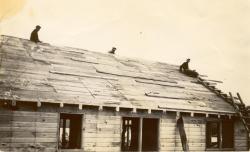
x=113, y=50
x=34, y=34
x=185, y=69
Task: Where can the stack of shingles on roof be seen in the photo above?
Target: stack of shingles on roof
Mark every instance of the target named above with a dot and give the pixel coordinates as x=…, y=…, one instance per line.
x=46, y=73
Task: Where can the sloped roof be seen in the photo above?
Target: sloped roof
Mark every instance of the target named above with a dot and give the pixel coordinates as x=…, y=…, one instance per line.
x=46, y=73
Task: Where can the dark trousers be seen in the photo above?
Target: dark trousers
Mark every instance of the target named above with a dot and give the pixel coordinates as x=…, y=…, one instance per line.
x=191, y=73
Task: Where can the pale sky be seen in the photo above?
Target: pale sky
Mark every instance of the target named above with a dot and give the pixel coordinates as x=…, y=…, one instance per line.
x=215, y=34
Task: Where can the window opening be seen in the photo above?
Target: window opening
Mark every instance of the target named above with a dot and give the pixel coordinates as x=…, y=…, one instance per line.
x=150, y=134
x=220, y=134
x=130, y=134
x=70, y=131
x=213, y=135
x=227, y=134
x=131, y=131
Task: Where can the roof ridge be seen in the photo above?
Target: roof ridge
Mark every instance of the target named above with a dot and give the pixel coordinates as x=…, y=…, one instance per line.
x=102, y=53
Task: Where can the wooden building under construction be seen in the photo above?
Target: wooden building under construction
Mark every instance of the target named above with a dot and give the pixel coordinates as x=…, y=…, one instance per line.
x=67, y=99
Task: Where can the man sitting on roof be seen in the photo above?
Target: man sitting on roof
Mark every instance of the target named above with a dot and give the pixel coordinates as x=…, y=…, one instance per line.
x=185, y=69
x=34, y=34
x=113, y=50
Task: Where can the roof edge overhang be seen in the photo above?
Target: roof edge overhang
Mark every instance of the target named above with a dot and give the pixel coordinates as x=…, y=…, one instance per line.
x=163, y=110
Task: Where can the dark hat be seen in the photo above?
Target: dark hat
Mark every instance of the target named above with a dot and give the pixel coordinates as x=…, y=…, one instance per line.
x=38, y=27
x=113, y=50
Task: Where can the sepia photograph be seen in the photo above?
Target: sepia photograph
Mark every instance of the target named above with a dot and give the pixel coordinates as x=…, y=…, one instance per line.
x=124, y=75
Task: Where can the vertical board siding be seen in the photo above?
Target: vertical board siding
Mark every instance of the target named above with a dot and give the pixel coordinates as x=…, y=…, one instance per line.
x=102, y=132
x=28, y=131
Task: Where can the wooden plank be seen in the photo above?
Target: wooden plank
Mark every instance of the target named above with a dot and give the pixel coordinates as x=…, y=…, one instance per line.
x=39, y=114
x=167, y=84
x=26, y=134
x=5, y=134
x=36, y=124
x=102, y=135
x=14, y=149
x=241, y=149
x=108, y=144
x=82, y=60
x=25, y=64
x=159, y=95
x=178, y=144
x=101, y=149
x=192, y=132
x=140, y=135
x=179, y=149
x=29, y=145
x=102, y=140
x=22, y=77
x=237, y=137
x=181, y=99
x=104, y=116
x=240, y=142
x=72, y=73
x=173, y=140
x=33, y=149
x=28, y=140
x=182, y=132
x=6, y=128
x=30, y=134
x=25, y=70
x=104, y=130
x=103, y=121
x=5, y=119
x=102, y=125
x=176, y=94
x=34, y=118
x=241, y=101
x=28, y=129
x=198, y=110
x=165, y=129
x=115, y=71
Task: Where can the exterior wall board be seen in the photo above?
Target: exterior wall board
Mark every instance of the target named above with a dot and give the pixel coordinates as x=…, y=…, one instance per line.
x=240, y=136
x=28, y=131
x=101, y=131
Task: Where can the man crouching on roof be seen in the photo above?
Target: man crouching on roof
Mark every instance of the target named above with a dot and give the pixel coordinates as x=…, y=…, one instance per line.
x=34, y=35
x=184, y=68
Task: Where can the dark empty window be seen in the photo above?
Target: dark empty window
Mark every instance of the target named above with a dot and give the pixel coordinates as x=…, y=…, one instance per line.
x=70, y=131
x=131, y=131
x=219, y=134
x=150, y=135
x=227, y=134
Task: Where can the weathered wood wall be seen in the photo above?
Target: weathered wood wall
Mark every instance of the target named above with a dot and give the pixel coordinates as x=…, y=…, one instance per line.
x=169, y=135
x=195, y=128
x=101, y=131
x=240, y=136
x=28, y=131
